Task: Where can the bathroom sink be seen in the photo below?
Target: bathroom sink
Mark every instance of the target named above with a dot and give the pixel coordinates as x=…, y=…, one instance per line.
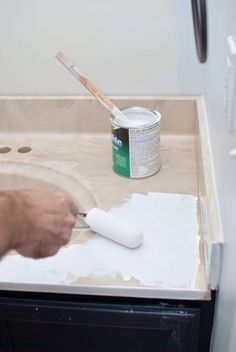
x=64, y=144
x=16, y=176
x=19, y=176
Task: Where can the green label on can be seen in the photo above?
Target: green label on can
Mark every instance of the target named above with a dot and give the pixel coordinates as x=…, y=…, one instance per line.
x=120, y=150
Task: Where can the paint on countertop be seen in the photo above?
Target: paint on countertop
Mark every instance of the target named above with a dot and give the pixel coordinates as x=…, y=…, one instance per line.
x=168, y=258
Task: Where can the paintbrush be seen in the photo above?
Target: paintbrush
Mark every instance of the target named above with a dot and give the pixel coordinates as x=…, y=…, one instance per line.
x=105, y=101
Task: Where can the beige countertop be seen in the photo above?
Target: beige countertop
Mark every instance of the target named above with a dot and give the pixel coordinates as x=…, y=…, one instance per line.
x=83, y=158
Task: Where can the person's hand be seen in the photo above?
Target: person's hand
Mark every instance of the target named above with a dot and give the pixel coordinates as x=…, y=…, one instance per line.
x=41, y=221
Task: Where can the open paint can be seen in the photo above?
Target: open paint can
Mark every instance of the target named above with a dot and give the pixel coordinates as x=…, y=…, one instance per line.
x=136, y=142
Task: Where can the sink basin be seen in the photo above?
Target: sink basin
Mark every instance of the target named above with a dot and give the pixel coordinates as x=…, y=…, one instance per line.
x=16, y=176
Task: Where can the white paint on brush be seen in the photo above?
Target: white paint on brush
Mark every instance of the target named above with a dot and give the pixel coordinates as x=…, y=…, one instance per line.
x=119, y=116
x=168, y=257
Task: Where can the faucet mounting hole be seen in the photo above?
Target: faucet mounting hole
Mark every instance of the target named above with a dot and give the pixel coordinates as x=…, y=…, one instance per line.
x=5, y=150
x=24, y=150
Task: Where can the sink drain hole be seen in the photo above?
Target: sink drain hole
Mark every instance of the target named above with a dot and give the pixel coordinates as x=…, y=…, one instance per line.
x=5, y=150
x=24, y=150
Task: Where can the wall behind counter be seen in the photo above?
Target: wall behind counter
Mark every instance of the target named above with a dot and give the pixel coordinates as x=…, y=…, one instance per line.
x=127, y=47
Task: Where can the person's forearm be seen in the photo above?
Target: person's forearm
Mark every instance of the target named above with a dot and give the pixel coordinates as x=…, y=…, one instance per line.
x=36, y=223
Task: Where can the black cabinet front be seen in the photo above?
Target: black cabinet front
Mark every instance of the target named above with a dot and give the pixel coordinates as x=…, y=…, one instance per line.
x=38, y=337
x=55, y=326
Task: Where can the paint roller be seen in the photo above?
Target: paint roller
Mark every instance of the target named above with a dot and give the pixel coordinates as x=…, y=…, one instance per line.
x=113, y=227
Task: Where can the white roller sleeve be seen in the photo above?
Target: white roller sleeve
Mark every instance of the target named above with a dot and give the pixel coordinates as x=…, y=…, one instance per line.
x=114, y=228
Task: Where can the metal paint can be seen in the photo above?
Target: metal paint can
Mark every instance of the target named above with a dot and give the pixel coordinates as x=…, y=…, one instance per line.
x=136, y=142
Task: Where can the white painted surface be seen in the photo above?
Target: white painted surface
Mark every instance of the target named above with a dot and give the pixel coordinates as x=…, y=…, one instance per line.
x=167, y=258
x=125, y=47
x=222, y=23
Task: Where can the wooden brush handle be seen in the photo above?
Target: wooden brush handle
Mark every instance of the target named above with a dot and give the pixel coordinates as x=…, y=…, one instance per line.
x=107, y=103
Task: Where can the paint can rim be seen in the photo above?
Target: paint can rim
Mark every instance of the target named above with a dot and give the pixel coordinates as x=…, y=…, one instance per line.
x=138, y=109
